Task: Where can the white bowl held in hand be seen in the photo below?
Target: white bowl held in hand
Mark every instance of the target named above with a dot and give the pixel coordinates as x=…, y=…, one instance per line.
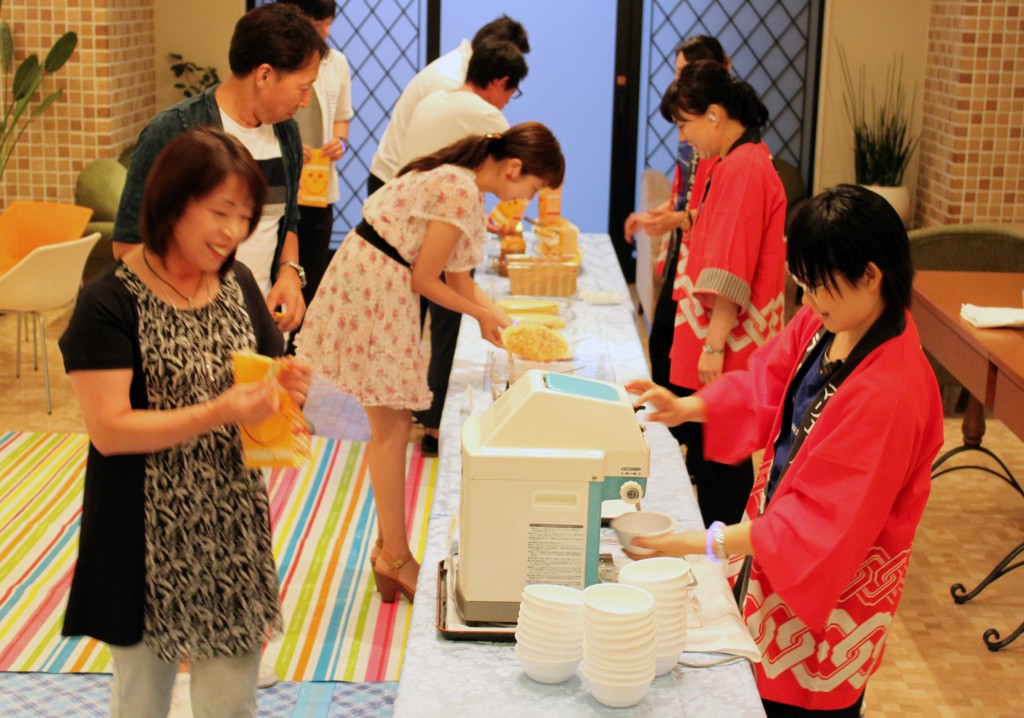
x=641, y=523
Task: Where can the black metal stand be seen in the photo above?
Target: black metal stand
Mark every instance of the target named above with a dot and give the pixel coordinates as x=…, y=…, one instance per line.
x=1011, y=561
x=1006, y=475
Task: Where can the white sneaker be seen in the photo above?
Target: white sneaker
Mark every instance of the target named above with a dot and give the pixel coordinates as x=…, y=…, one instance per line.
x=267, y=676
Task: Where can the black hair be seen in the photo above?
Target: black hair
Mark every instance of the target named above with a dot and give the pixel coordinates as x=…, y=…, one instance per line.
x=842, y=229
x=704, y=83
x=530, y=142
x=700, y=47
x=278, y=35
x=505, y=29
x=190, y=166
x=493, y=61
x=315, y=9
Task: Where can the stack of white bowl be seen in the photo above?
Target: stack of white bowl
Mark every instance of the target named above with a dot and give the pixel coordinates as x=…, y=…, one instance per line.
x=619, y=643
x=669, y=582
x=549, y=633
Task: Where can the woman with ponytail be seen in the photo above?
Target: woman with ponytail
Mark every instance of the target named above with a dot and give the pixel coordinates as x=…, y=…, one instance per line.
x=362, y=330
x=730, y=291
x=676, y=215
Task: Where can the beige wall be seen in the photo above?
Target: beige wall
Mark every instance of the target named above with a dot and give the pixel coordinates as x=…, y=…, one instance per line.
x=200, y=31
x=872, y=32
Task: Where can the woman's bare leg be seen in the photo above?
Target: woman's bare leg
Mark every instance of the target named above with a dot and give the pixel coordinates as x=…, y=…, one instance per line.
x=389, y=440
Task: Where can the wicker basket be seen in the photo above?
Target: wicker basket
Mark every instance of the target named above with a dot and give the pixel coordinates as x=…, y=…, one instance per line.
x=540, y=276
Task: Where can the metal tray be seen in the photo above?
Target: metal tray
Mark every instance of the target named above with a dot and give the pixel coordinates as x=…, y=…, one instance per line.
x=505, y=633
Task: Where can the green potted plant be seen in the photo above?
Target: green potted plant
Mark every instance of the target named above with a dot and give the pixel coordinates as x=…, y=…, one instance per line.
x=192, y=78
x=28, y=77
x=882, y=141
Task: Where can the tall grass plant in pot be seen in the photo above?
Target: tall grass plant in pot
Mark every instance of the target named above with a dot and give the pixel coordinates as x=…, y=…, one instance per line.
x=882, y=142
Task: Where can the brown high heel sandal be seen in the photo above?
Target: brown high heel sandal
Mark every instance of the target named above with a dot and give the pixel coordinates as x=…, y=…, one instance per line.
x=375, y=552
x=387, y=580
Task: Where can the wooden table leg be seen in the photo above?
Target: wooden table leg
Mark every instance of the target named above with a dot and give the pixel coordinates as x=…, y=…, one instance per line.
x=974, y=422
x=973, y=429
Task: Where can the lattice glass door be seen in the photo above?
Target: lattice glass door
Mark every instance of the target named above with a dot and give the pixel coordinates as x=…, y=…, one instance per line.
x=385, y=44
x=773, y=46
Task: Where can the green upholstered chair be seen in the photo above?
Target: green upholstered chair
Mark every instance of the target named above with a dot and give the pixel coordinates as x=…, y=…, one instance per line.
x=99, y=187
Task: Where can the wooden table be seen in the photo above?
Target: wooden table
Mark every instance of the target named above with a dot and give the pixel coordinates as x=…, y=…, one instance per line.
x=990, y=364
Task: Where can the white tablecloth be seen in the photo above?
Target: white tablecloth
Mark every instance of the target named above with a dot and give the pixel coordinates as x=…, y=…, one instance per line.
x=460, y=678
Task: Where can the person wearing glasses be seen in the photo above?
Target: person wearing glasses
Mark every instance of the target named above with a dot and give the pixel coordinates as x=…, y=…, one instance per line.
x=446, y=73
x=492, y=80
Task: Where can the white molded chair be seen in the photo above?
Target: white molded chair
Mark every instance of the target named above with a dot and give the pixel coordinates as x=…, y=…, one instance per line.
x=48, y=277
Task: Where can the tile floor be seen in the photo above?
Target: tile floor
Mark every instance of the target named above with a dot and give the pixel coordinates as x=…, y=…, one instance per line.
x=936, y=663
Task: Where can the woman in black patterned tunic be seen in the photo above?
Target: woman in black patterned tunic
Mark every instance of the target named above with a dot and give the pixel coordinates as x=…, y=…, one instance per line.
x=175, y=556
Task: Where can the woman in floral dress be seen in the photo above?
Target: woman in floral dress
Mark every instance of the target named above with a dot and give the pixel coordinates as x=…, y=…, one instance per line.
x=362, y=328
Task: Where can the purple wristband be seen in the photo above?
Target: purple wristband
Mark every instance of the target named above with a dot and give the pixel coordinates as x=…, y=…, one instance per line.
x=715, y=526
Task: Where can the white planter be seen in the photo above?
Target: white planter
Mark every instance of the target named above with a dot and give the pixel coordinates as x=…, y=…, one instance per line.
x=898, y=197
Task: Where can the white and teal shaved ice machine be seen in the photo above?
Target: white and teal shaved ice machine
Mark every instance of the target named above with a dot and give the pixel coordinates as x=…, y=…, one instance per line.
x=536, y=467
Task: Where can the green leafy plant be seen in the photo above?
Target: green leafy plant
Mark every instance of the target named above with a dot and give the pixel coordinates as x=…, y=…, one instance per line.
x=27, y=79
x=194, y=78
x=882, y=143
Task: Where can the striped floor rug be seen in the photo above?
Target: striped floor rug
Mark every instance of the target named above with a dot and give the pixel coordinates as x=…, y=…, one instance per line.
x=322, y=514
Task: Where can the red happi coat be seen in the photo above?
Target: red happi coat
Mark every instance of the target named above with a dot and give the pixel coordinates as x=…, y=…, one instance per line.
x=832, y=548
x=735, y=249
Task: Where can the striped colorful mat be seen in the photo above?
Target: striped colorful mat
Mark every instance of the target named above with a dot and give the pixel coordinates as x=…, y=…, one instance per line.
x=336, y=627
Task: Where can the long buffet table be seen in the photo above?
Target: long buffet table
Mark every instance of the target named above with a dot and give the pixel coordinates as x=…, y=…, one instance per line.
x=461, y=678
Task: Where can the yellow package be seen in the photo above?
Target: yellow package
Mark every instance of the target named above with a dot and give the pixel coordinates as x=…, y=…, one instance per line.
x=507, y=215
x=529, y=306
x=281, y=440
x=551, y=321
x=549, y=205
x=559, y=239
x=313, y=181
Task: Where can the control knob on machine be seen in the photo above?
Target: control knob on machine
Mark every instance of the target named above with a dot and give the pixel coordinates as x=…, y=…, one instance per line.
x=631, y=492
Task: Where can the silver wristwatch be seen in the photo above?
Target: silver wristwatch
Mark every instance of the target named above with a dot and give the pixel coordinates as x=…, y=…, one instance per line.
x=298, y=269
x=708, y=349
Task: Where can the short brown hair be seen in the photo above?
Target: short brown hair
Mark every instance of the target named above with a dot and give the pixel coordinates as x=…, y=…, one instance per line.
x=277, y=35
x=191, y=166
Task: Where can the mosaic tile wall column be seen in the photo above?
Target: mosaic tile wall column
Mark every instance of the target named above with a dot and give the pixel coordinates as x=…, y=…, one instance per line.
x=109, y=91
x=971, y=150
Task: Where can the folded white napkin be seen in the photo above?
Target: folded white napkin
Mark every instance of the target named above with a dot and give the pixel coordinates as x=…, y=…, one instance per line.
x=721, y=628
x=989, y=317
x=591, y=296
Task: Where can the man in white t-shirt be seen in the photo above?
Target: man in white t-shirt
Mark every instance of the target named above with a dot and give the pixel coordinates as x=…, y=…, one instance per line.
x=447, y=72
x=492, y=79
x=275, y=56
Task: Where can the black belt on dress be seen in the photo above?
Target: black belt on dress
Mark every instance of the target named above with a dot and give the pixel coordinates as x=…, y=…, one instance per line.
x=365, y=230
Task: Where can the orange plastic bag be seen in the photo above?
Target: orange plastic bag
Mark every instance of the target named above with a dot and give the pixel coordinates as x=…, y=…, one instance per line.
x=281, y=440
x=313, y=181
